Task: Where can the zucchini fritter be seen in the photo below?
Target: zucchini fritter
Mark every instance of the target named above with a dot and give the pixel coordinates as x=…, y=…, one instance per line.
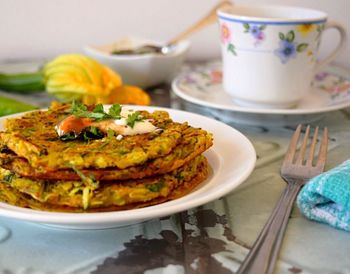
x=33, y=137
x=76, y=196
x=191, y=145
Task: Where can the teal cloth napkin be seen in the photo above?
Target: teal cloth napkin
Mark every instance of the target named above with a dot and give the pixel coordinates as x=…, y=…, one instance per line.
x=326, y=198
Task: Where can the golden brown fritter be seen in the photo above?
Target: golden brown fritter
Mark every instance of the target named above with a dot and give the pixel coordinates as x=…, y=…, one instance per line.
x=33, y=137
x=191, y=145
x=75, y=196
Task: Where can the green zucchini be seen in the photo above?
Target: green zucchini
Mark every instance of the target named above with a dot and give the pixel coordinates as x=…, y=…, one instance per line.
x=22, y=82
x=10, y=106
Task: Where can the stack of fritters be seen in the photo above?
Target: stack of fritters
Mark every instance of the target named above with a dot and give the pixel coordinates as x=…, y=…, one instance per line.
x=38, y=170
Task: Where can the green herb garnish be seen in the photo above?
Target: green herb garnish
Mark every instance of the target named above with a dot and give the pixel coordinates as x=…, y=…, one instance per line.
x=98, y=109
x=133, y=118
x=98, y=113
x=115, y=110
x=91, y=133
x=110, y=133
x=155, y=187
x=68, y=136
x=8, y=177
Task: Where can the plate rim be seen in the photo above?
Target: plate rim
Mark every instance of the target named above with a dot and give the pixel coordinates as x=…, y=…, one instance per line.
x=117, y=218
x=236, y=108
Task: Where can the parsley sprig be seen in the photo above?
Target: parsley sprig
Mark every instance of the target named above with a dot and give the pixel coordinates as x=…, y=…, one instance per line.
x=87, y=134
x=98, y=113
x=133, y=118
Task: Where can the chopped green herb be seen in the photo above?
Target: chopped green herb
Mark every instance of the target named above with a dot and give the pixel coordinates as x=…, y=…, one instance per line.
x=110, y=133
x=115, y=110
x=155, y=187
x=98, y=108
x=77, y=108
x=68, y=136
x=98, y=113
x=133, y=118
x=90, y=133
x=8, y=177
x=80, y=110
x=94, y=130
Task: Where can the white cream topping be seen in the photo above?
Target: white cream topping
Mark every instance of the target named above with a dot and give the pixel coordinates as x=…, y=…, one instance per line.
x=119, y=126
x=140, y=127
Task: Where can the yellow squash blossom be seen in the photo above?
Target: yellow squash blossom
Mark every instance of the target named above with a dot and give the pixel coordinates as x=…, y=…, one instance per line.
x=78, y=77
x=126, y=94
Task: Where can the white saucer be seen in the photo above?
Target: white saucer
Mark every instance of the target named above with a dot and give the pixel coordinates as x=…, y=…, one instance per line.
x=203, y=86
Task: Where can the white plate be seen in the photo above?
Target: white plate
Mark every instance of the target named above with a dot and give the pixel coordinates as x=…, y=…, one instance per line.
x=203, y=86
x=232, y=159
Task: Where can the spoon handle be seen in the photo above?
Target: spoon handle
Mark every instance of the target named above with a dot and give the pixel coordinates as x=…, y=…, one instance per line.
x=206, y=20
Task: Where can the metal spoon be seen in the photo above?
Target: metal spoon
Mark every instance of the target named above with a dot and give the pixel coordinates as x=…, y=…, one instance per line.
x=172, y=44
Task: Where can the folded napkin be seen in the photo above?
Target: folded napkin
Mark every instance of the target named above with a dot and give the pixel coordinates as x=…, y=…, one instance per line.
x=326, y=198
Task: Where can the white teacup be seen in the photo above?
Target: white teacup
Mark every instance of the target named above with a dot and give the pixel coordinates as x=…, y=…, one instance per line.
x=270, y=53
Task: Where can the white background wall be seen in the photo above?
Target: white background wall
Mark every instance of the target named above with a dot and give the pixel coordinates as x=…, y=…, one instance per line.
x=44, y=28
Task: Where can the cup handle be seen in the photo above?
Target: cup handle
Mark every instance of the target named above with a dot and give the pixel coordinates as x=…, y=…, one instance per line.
x=343, y=37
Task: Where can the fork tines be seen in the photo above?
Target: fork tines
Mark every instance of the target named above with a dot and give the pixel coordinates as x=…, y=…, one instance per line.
x=306, y=146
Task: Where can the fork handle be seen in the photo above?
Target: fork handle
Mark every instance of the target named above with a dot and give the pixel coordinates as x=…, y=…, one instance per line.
x=263, y=256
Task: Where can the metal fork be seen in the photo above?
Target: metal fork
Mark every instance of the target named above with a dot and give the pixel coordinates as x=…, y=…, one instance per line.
x=296, y=170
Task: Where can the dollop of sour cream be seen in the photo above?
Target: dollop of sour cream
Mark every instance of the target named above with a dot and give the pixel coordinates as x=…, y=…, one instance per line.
x=140, y=127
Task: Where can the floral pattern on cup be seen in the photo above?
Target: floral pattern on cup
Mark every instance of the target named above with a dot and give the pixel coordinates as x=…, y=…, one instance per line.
x=257, y=31
x=225, y=33
x=311, y=54
x=288, y=48
x=226, y=39
x=306, y=29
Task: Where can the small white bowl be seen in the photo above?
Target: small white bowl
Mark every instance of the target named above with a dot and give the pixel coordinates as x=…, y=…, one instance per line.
x=142, y=70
